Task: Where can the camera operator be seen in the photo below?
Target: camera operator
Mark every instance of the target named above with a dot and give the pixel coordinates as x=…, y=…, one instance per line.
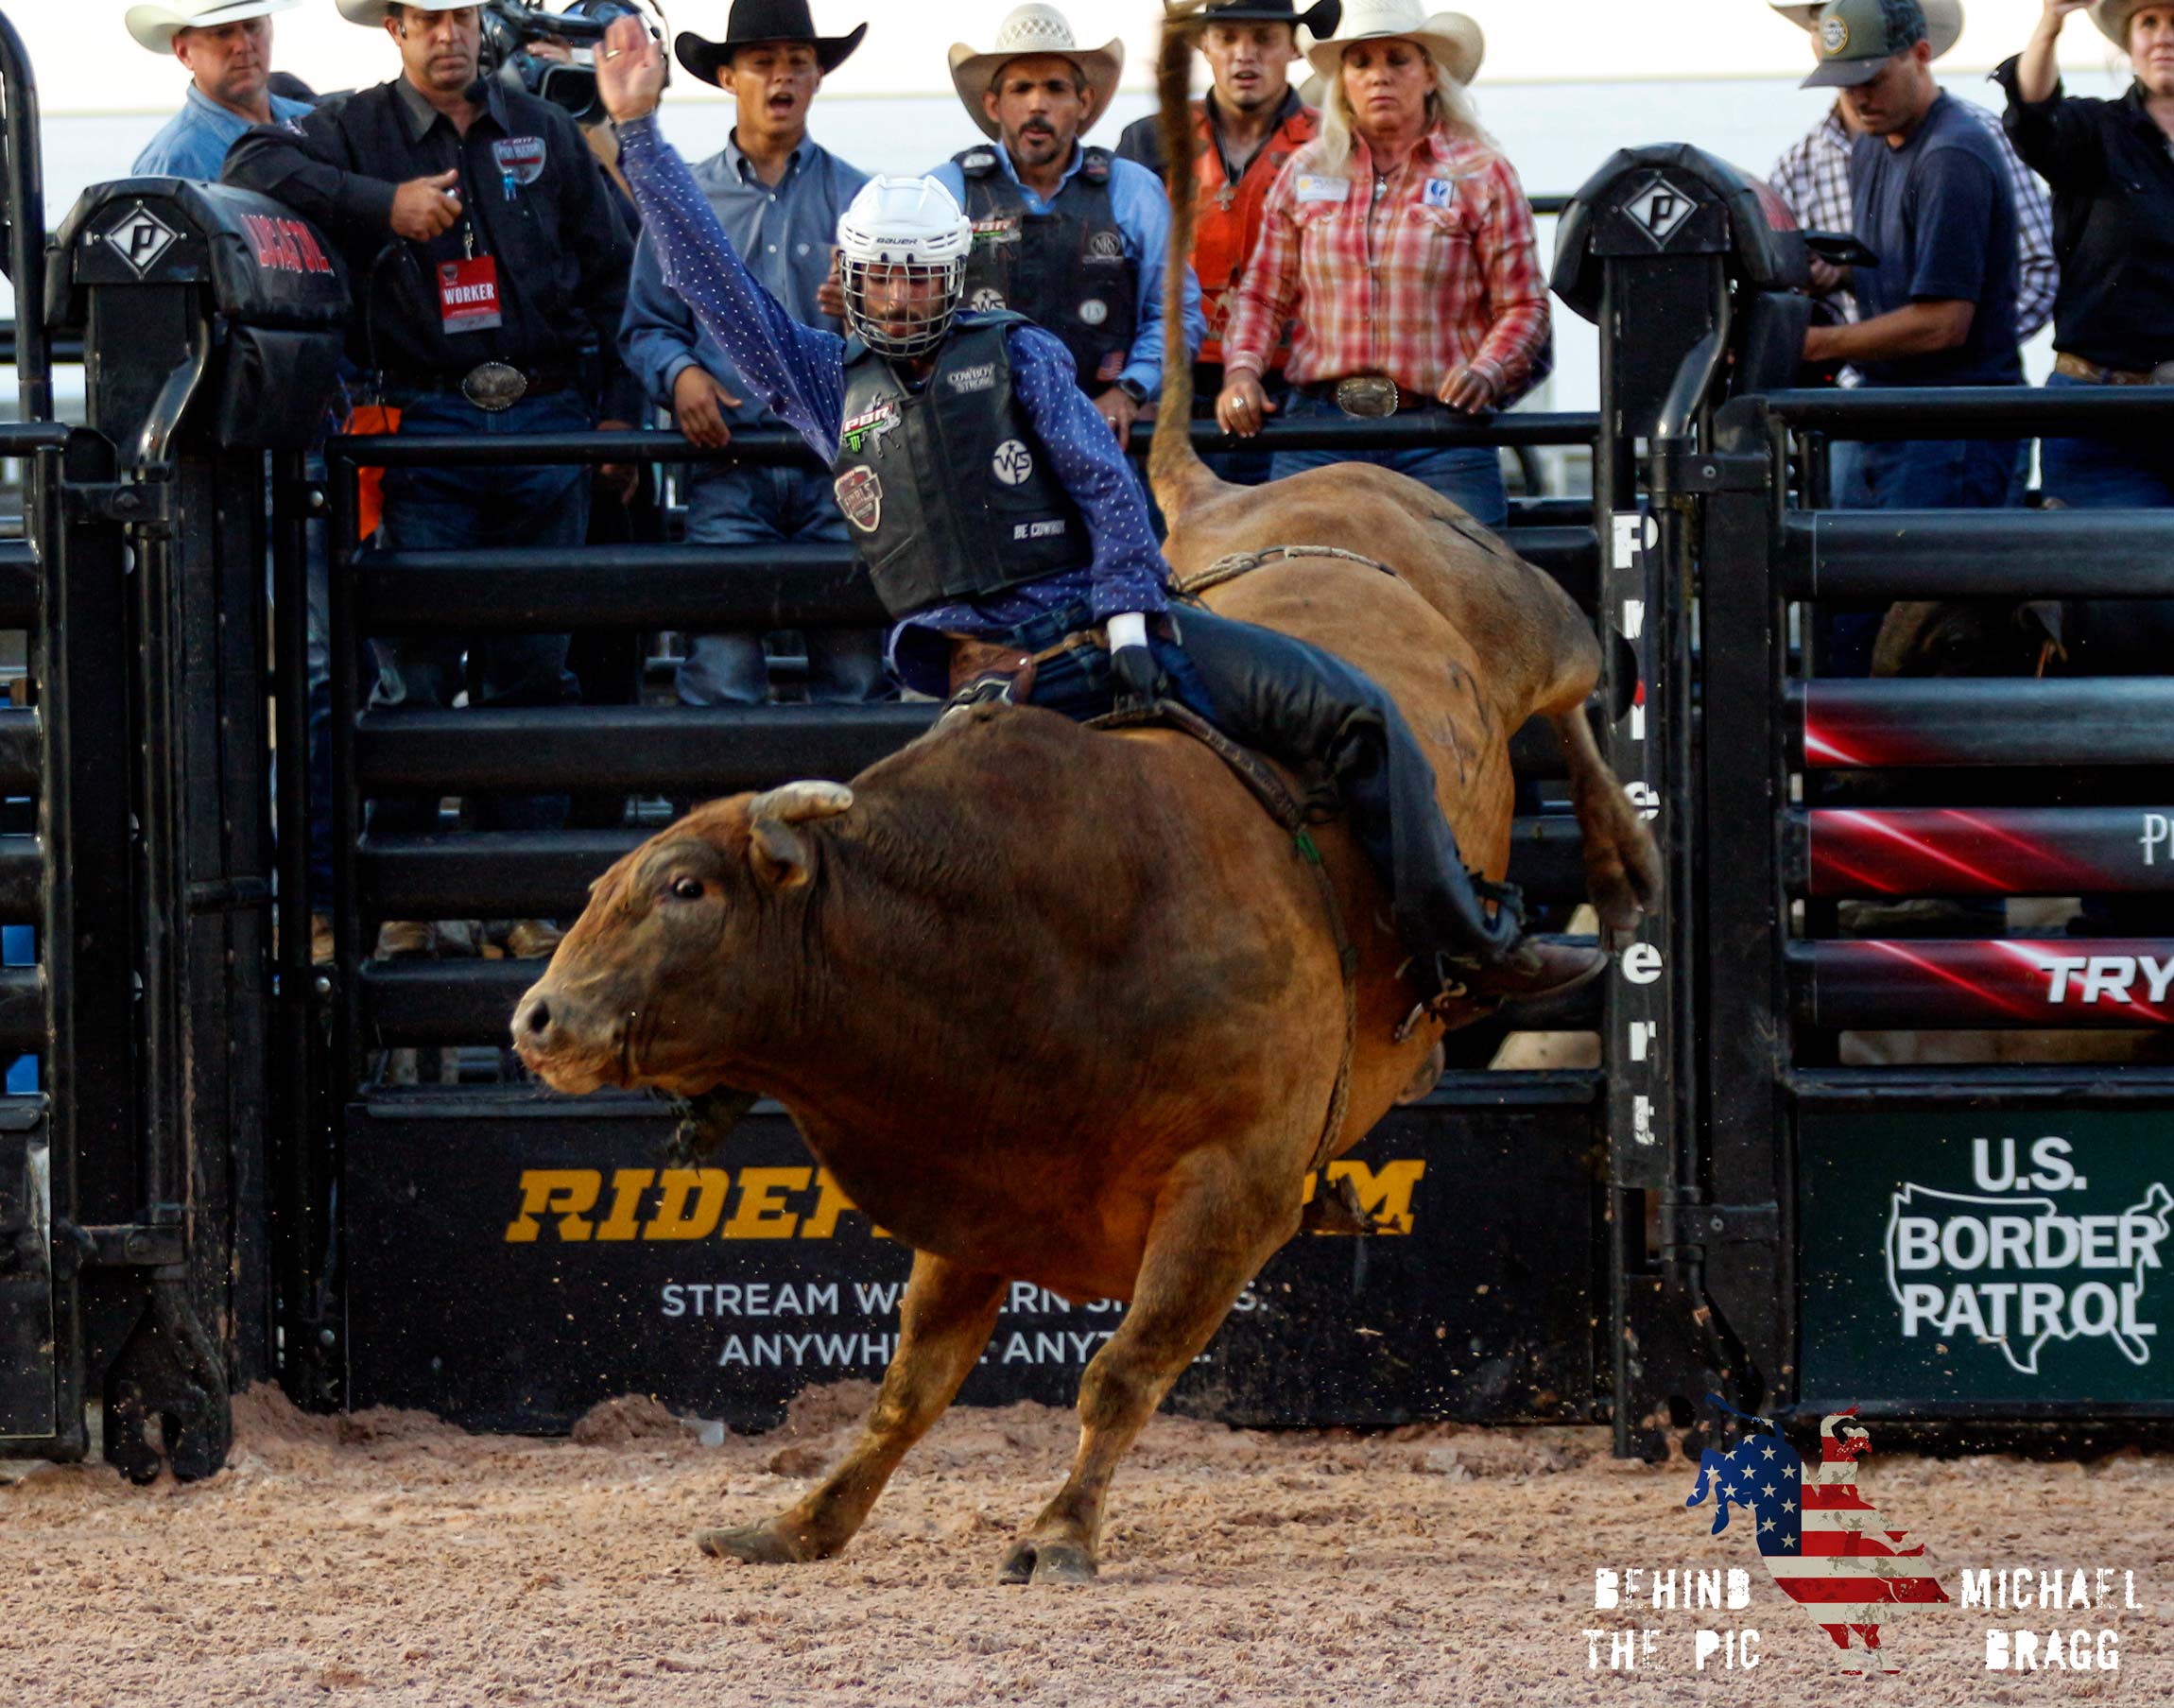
x=489, y=271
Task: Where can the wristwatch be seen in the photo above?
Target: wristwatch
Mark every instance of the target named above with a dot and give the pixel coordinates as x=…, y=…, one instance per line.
x=1133, y=390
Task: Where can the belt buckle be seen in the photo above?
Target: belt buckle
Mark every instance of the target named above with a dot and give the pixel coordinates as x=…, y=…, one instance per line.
x=494, y=386
x=1369, y=396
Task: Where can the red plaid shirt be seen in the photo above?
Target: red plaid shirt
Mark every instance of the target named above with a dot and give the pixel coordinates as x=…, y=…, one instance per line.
x=1443, y=270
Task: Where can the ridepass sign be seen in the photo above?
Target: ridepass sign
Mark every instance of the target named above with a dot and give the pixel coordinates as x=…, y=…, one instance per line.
x=1966, y=1255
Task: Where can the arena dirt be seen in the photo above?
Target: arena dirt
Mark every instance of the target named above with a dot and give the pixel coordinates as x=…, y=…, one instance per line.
x=389, y=1559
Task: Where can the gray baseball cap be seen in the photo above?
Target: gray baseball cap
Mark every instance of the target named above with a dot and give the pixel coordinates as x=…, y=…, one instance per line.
x=1858, y=37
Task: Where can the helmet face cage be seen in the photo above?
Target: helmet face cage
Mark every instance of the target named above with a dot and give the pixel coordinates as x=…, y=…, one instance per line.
x=912, y=329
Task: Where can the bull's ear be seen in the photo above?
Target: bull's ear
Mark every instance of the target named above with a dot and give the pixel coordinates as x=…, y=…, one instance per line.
x=777, y=854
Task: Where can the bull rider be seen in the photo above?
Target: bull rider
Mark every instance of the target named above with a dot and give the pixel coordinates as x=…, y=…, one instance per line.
x=1002, y=528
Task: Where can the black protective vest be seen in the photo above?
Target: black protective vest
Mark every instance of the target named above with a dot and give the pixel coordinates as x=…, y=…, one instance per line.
x=949, y=489
x=1066, y=270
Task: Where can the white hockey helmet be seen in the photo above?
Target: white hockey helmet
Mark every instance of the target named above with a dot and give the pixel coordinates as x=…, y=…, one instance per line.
x=912, y=229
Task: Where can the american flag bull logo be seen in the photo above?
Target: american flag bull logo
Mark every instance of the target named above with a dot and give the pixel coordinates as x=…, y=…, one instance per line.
x=1825, y=1543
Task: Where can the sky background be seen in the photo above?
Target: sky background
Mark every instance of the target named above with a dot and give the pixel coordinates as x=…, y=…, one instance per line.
x=87, y=62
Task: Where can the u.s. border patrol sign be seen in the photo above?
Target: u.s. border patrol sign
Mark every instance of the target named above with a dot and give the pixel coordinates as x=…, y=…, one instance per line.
x=1957, y=1256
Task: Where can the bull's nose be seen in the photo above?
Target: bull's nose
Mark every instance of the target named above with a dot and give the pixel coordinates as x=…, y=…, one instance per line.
x=532, y=1021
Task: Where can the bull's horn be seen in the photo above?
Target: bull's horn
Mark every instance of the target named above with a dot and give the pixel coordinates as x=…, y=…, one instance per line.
x=797, y=802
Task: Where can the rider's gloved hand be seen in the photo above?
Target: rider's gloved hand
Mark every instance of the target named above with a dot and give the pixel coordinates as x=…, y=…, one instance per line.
x=1133, y=662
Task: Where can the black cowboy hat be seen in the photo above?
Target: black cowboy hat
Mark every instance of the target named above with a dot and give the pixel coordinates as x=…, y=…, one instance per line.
x=756, y=21
x=1321, y=17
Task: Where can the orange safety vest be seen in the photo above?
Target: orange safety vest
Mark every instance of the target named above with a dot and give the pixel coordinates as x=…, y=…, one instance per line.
x=1230, y=217
x=369, y=502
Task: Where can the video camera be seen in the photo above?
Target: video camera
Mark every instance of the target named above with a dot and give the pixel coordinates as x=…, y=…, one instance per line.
x=552, y=54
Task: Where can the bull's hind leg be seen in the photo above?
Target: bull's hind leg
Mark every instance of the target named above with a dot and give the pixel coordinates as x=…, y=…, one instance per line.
x=1213, y=1230
x=945, y=1322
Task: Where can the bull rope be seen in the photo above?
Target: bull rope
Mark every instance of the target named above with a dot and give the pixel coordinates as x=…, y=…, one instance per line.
x=1238, y=563
x=1282, y=807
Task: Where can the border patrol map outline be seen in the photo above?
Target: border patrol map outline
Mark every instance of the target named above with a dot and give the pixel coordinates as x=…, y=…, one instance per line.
x=2157, y=1205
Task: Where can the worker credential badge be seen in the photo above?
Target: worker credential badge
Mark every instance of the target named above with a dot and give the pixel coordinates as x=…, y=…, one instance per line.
x=860, y=496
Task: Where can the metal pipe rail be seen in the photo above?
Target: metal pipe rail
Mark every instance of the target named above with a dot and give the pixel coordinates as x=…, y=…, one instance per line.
x=25, y=221
x=1905, y=721
x=1988, y=983
x=700, y=588
x=546, y=874
x=670, y=750
x=1977, y=554
x=779, y=444
x=1943, y=851
x=1883, y=412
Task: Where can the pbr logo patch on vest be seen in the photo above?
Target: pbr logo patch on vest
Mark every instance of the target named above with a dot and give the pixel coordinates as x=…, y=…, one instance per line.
x=860, y=496
x=864, y=430
x=520, y=158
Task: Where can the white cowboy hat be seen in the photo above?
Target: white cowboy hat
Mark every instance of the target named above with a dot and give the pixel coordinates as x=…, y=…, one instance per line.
x=2112, y=16
x=1943, y=20
x=155, y=27
x=373, y=12
x=1032, y=29
x=1456, y=41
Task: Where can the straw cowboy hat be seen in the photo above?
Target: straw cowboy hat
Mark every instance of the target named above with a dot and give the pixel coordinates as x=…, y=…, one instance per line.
x=1453, y=39
x=1943, y=20
x=2111, y=16
x=1034, y=29
x=374, y=12
x=156, y=27
x=756, y=21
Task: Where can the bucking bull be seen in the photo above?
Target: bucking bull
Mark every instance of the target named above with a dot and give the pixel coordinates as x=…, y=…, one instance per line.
x=1065, y=1006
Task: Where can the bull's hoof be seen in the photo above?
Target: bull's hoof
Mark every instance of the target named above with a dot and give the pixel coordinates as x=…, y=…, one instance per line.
x=756, y=1545
x=1047, y=1562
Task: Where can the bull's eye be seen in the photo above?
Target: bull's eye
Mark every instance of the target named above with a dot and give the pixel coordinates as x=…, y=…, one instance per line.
x=687, y=889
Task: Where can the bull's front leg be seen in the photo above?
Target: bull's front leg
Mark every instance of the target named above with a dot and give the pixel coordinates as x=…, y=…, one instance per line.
x=945, y=1322
x=1213, y=1230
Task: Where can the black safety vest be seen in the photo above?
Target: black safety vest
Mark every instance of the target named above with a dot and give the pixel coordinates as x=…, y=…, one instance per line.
x=1066, y=270
x=949, y=489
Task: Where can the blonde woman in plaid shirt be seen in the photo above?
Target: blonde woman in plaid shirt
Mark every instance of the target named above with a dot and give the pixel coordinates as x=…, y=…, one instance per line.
x=1401, y=244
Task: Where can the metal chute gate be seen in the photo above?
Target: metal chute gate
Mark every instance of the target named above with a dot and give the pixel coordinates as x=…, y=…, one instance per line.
x=216, y=1181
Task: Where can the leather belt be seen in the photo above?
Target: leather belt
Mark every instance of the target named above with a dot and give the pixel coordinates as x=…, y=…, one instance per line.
x=492, y=387
x=2077, y=368
x=1369, y=396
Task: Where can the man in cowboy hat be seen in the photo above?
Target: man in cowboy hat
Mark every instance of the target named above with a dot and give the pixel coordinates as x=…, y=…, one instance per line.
x=1069, y=236
x=1251, y=122
x=1813, y=179
x=777, y=194
x=227, y=46
x=1002, y=529
x=488, y=268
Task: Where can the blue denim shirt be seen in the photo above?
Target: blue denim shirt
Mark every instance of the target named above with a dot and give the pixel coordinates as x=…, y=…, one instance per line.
x=785, y=235
x=799, y=370
x=194, y=141
x=1143, y=212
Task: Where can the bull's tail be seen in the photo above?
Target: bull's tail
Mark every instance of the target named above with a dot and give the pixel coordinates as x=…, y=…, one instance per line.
x=1174, y=468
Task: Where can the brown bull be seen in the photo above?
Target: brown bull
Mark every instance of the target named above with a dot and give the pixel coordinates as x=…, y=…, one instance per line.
x=1063, y=1006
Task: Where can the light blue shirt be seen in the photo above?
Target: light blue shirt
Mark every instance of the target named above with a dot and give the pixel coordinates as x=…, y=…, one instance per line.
x=194, y=141
x=783, y=235
x=1143, y=213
